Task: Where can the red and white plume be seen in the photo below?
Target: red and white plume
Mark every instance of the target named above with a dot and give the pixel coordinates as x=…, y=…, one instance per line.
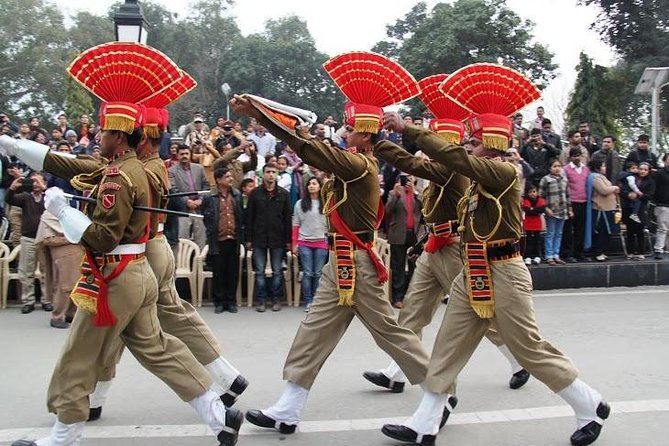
x=370, y=82
x=492, y=93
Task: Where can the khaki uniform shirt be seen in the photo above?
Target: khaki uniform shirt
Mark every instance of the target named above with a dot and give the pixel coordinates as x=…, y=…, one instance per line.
x=446, y=188
x=496, y=178
x=122, y=185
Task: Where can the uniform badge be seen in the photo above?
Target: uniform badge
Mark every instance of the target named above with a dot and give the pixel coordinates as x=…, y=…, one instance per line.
x=112, y=171
x=479, y=283
x=108, y=200
x=90, y=278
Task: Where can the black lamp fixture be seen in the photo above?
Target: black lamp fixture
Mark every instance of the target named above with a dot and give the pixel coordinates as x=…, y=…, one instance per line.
x=129, y=23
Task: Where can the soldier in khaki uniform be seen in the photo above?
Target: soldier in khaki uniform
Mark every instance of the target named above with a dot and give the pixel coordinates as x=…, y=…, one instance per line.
x=116, y=294
x=351, y=284
x=177, y=317
x=494, y=286
x=440, y=263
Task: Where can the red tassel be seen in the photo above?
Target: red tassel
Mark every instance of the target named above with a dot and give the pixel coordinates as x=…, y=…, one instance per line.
x=435, y=243
x=104, y=316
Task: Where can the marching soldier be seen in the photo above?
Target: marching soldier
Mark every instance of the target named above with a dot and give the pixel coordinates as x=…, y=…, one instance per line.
x=177, y=317
x=439, y=263
x=495, y=285
x=351, y=284
x=116, y=294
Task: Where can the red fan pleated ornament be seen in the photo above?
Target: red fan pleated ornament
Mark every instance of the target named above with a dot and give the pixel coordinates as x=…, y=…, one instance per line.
x=493, y=93
x=449, y=115
x=370, y=82
x=172, y=92
x=122, y=74
x=157, y=117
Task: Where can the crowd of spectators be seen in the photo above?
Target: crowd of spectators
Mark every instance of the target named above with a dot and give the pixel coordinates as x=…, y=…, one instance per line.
x=264, y=198
x=581, y=193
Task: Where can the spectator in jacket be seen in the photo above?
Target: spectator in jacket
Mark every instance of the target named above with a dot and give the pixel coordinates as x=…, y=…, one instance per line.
x=591, y=142
x=538, y=155
x=533, y=207
x=189, y=177
x=636, y=204
x=548, y=135
x=553, y=189
x=609, y=155
x=268, y=229
x=309, y=242
x=642, y=154
x=602, y=203
x=403, y=211
x=31, y=201
x=223, y=219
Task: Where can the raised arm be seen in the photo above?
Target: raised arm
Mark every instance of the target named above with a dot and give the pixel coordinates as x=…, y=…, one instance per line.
x=414, y=165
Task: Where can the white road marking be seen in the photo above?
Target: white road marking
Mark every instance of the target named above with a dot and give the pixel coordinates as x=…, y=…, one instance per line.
x=609, y=291
x=198, y=430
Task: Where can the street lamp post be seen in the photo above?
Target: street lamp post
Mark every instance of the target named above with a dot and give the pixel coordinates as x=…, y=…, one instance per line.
x=225, y=88
x=652, y=81
x=129, y=23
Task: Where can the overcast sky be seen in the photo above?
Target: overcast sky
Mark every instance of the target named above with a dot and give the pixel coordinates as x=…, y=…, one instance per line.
x=346, y=25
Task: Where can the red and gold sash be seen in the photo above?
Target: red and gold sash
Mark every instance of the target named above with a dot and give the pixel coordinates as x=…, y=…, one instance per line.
x=478, y=279
x=440, y=235
x=345, y=286
x=91, y=292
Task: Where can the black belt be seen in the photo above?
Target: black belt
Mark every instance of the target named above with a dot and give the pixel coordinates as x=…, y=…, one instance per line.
x=365, y=237
x=504, y=251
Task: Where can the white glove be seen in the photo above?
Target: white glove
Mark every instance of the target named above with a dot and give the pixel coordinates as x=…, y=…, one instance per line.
x=7, y=146
x=73, y=221
x=54, y=201
x=30, y=152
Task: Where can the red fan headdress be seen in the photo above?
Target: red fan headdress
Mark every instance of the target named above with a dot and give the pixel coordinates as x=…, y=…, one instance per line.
x=370, y=82
x=492, y=93
x=123, y=74
x=157, y=117
x=449, y=115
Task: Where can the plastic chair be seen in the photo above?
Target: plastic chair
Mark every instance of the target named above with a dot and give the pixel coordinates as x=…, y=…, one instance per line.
x=7, y=275
x=187, y=266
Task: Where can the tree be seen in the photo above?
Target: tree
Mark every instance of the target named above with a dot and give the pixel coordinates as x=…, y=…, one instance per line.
x=639, y=32
x=34, y=48
x=592, y=99
x=283, y=64
x=451, y=36
x=77, y=100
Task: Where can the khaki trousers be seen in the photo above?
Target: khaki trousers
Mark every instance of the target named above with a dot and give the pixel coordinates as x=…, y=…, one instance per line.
x=462, y=330
x=132, y=298
x=64, y=273
x=177, y=317
x=325, y=324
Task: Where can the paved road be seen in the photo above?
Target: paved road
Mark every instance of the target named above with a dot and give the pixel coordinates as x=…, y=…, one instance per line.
x=617, y=338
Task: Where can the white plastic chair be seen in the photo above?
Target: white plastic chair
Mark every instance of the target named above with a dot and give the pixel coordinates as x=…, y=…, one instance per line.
x=187, y=266
x=8, y=275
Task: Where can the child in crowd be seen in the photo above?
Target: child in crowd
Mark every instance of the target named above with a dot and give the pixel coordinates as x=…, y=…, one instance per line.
x=533, y=207
x=553, y=188
x=628, y=183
